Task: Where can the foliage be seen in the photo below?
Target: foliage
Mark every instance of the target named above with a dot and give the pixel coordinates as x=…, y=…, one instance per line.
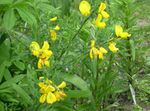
x=114, y=81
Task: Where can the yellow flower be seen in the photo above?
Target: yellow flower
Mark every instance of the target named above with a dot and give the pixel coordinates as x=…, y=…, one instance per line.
x=34, y=47
x=92, y=43
x=102, y=7
x=103, y=50
x=51, y=98
x=119, y=32
x=98, y=22
x=53, y=19
x=112, y=47
x=85, y=8
x=43, y=62
x=57, y=28
x=53, y=35
x=49, y=93
x=62, y=85
x=101, y=53
x=43, y=98
x=105, y=14
x=43, y=54
x=102, y=11
x=59, y=95
x=93, y=52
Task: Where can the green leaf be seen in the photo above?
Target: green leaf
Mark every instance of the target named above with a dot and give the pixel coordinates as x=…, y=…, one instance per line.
x=2, y=106
x=9, y=82
x=26, y=15
x=78, y=93
x=20, y=65
x=25, y=97
x=7, y=74
x=4, y=53
x=2, y=68
x=77, y=81
x=6, y=1
x=9, y=19
x=132, y=49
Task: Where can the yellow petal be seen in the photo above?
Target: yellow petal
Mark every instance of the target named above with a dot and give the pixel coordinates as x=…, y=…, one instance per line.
x=103, y=50
x=102, y=7
x=93, y=52
x=57, y=28
x=112, y=47
x=41, y=84
x=105, y=14
x=62, y=85
x=118, y=30
x=40, y=64
x=101, y=25
x=45, y=46
x=48, y=81
x=47, y=63
x=50, y=88
x=53, y=19
x=125, y=35
x=59, y=95
x=42, y=98
x=99, y=17
x=51, y=98
x=85, y=8
x=92, y=43
x=100, y=55
x=53, y=35
x=34, y=47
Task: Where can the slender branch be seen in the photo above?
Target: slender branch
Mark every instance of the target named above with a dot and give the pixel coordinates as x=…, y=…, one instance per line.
x=75, y=35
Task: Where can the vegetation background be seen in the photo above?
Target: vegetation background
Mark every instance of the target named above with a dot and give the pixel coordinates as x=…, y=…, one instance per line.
x=120, y=82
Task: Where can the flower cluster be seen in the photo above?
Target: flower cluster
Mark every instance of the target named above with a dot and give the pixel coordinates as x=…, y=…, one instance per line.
x=43, y=54
x=51, y=93
x=101, y=14
x=53, y=32
x=95, y=52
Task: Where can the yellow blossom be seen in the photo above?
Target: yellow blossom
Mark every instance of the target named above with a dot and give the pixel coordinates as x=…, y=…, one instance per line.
x=51, y=98
x=93, y=52
x=42, y=53
x=53, y=35
x=101, y=53
x=85, y=8
x=119, y=32
x=103, y=50
x=98, y=22
x=43, y=62
x=53, y=19
x=112, y=47
x=102, y=11
x=92, y=43
x=34, y=47
x=57, y=28
x=102, y=7
x=62, y=85
x=59, y=95
x=49, y=93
